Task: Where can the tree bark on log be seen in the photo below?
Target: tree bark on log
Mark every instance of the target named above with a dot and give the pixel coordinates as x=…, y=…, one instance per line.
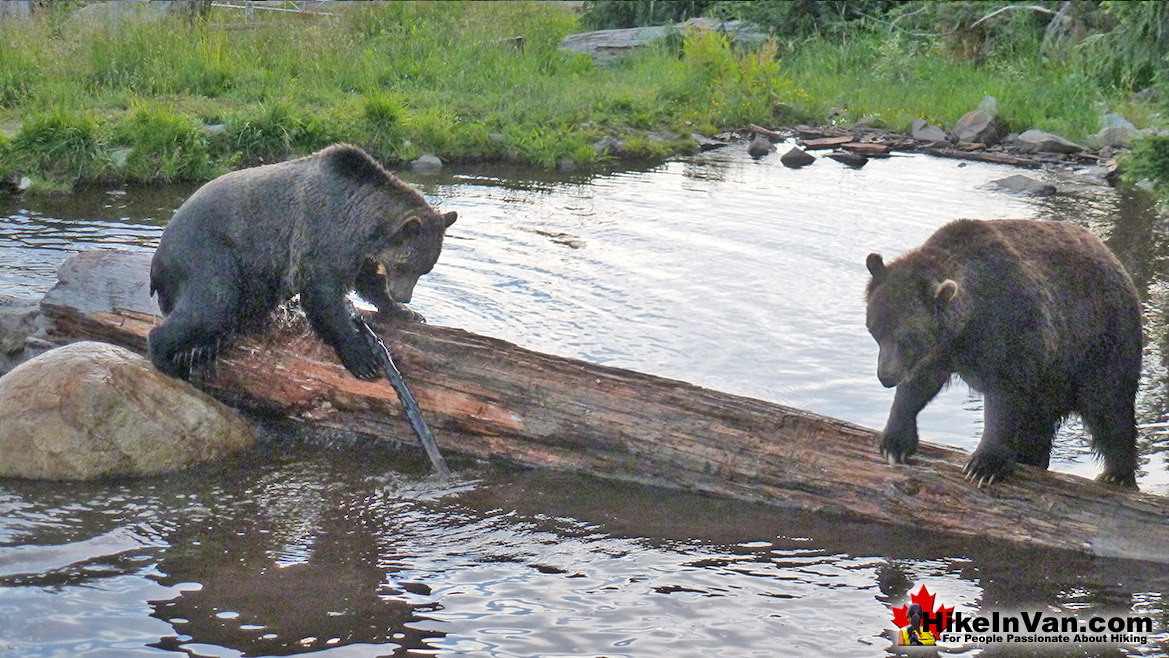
x=491, y=399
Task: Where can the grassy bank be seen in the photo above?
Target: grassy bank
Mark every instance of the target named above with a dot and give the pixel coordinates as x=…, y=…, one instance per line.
x=86, y=100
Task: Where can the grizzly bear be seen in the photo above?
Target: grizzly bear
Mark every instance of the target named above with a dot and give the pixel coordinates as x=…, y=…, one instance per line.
x=319, y=226
x=1038, y=316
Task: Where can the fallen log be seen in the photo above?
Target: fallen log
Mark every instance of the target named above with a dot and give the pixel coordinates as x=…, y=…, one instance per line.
x=488, y=398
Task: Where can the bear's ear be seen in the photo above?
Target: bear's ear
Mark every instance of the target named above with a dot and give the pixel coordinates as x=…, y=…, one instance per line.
x=876, y=267
x=450, y=217
x=945, y=291
x=409, y=228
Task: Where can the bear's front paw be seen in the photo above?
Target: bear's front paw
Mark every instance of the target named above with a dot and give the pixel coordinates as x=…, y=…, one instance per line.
x=400, y=313
x=360, y=358
x=898, y=445
x=988, y=465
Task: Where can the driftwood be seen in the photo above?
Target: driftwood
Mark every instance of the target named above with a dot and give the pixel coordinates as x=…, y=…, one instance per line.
x=488, y=398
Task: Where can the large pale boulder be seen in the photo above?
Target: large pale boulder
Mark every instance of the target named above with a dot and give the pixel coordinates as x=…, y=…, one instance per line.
x=91, y=409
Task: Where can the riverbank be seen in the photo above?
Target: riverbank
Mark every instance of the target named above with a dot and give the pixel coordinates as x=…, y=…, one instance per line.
x=85, y=99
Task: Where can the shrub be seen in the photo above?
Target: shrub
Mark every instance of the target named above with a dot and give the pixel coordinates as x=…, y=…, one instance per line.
x=165, y=145
x=66, y=146
x=1149, y=160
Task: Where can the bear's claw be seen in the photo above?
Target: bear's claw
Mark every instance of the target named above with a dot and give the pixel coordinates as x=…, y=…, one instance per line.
x=986, y=468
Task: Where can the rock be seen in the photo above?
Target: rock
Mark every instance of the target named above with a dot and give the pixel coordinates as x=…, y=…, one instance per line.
x=24, y=184
x=705, y=143
x=1037, y=141
x=1024, y=185
x=566, y=165
x=119, y=156
x=923, y=131
x=18, y=321
x=605, y=46
x=215, y=129
x=796, y=158
x=989, y=105
x=759, y=147
x=426, y=164
x=868, y=121
x=1145, y=95
x=91, y=410
x=607, y=146
x=1098, y=174
x=854, y=160
x=975, y=127
x=1115, y=131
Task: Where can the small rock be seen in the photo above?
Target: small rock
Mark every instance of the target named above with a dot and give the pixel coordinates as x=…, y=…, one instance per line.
x=854, y=160
x=215, y=129
x=1037, y=141
x=923, y=131
x=975, y=127
x=796, y=158
x=989, y=105
x=91, y=410
x=705, y=143
x=426, y=164
x=1145, y=95
x=759, y=147
x=868, y=121
x=1098, y=174
x=837, y=114
x=607, y=146
x=24, y=184
x=1024, y=185
x=18, y=321
x=1115, y=131
x=566, y=164
x=118, y=156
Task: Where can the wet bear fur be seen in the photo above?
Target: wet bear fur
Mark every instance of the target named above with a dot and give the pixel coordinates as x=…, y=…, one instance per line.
x=1038, y=316
x=319, y=226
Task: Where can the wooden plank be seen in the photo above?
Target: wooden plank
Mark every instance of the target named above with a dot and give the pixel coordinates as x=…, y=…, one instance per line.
x=491, y=399
x=826, y=142
x=871, y=149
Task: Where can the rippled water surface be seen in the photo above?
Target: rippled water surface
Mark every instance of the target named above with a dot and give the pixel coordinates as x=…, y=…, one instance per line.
x=741, y=276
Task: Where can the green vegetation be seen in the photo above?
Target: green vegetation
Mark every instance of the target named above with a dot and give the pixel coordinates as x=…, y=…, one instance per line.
x=86, y=99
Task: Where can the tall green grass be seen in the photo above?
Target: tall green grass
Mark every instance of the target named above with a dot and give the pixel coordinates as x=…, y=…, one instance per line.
x=898, y=80
x=451, y=78
x=398, y=78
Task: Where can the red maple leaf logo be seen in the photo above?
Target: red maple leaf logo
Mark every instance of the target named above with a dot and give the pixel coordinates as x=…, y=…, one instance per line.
x=926, y=601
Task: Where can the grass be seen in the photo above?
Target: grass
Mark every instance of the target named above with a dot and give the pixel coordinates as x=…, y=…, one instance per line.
x=132, y=100
x=898, y=80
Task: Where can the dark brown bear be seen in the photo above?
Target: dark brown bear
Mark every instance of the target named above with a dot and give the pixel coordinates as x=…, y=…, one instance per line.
x=1038, y=316
x=320, y=226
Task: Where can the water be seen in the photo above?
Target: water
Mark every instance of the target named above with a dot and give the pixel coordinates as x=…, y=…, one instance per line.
x=741, y=276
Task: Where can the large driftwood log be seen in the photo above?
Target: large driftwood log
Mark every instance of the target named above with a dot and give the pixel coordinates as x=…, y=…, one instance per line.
x=488, y=398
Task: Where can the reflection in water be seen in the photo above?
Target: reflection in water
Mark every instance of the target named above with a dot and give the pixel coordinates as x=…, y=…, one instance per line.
x=298, y=550
x=732, y=274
